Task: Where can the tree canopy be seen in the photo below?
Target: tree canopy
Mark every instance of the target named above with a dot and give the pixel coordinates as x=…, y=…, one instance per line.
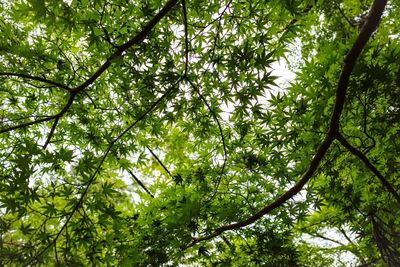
x=158, y=133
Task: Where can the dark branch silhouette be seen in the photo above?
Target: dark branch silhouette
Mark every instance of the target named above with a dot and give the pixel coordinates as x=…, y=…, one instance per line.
x=185, y=23
x=369, y=165
x=52, y=130
x=73, y=92
x=140, y=183
x=35, y=78
x=48, y=118
x=214, y=20
x=368, y=28
x=220, y=132
x=135, y=40
x=159, y=161
x=187, y=42
x=343, y=14
x=19, y=126
x=365, y=130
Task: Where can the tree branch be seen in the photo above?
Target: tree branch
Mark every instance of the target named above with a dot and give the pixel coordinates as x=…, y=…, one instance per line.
x=19, y=126
x=159, y=161
x=140, y=183
x=346, y=236
x=35, y=78
x=368, y=28
x=52, y=130
x=56, y=254
x=203, y=27
x=135, y=40
x=185, y=23
x=220, y=132
x=343, y=14
x=73, y=92
x=316, y=234
x=94, y=175
x=365, y=120
x=138, y=38
x=58, y=116
x=369, y=165
x=49, y=118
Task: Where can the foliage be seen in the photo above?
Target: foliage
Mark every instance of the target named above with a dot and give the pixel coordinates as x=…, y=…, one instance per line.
x=153, y=133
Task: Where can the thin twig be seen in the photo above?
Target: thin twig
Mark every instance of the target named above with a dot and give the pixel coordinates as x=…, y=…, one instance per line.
x=48, y=118
x=365, y=120
x=369, y=165
x=220, y=132
x=140, y=183
x=327, y=238
x=214, y=20
x=135, y=40
x=185, y=23
x=344, y=15
x=159, y=161
x=36, y=78
x=56, y=254
x=107, y=36
x=346, y=236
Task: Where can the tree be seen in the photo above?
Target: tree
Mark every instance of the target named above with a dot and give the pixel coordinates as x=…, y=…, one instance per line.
x=148, y=133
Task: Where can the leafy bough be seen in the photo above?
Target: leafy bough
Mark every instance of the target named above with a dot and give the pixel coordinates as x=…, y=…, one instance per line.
x=333, y=134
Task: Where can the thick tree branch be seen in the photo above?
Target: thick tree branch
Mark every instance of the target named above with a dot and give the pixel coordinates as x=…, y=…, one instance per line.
x=368, y=28
x=369, y=165
x=35, y=78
